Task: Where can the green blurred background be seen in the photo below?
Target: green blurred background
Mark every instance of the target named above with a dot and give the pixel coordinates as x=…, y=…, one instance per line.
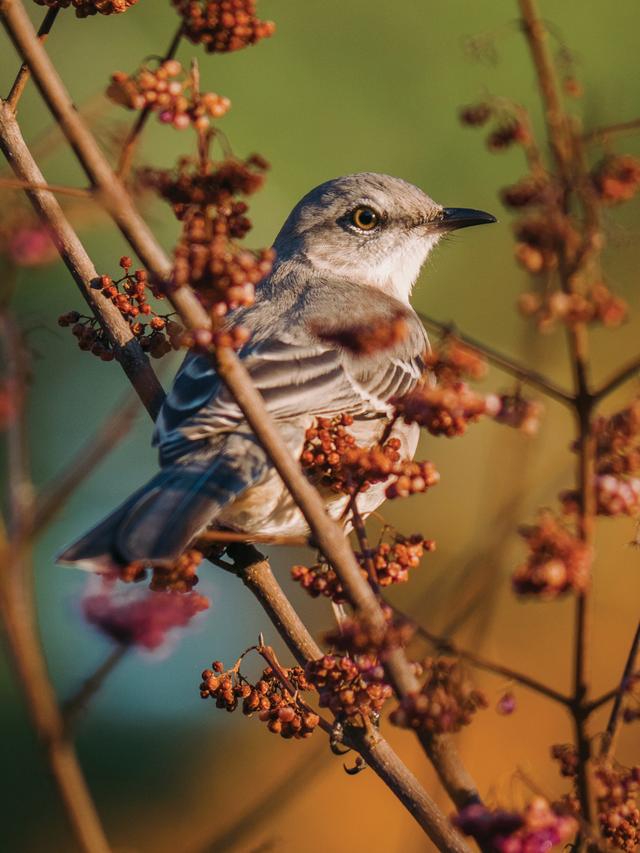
x=342, y=87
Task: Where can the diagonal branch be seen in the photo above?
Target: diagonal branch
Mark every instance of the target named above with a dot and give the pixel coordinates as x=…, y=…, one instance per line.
x=326, y=532
x=22, y=79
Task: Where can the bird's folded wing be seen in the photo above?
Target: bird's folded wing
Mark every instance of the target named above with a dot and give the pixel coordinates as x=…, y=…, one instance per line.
x=295, y=380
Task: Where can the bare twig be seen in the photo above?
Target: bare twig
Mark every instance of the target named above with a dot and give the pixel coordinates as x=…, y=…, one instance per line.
x=444, y=644
x=509, y=365
x=74, y=706
x=613, y=726
x=622, y=375
x=132, y=140
x=601, y=134
x=223, y=536
x=22, y=79
x=19, y=619
x=59, y=189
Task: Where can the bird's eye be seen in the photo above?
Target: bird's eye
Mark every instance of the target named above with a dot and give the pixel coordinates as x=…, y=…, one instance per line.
x=364, y=218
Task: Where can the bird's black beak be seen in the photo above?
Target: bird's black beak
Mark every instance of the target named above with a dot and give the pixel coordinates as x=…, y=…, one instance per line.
x=463, y=217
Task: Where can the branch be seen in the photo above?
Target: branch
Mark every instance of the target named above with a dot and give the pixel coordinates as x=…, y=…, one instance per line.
x=613, y=725
x=600, y=134
x=562, y=145
x=23, y=75
x=16, y=183
x=621, y=376
x=19, y=619
x=520, y=371
x=130, y=355
x=73, y=707
x=444, y=644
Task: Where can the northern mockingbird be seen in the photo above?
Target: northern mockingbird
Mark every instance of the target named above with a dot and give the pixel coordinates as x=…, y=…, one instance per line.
x=348, y=254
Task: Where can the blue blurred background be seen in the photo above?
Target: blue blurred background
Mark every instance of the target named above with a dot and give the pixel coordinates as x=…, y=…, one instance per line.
x=341, y=87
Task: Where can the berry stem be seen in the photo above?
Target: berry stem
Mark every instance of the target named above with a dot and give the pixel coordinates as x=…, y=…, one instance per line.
x=613, y=726
x=22, y=78
x=133, y=139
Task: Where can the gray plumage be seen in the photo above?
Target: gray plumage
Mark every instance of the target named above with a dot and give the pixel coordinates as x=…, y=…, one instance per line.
x=330, y=275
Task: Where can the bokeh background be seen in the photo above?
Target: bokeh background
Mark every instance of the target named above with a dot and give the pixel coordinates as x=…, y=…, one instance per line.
x=341, y=87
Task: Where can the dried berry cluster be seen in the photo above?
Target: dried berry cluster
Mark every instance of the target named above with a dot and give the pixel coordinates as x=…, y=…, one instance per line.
x=616, y=178
x=393, y=560
x=539, y=828
x=367, y=339
x=350, y=687
x=206, y=256
x=557, y=560
x=181, y=576
x=221, y=26
x=332, y=459
x=369, y=648
x=85, y=8
x=596, y=303
x=171, y=93
x=320, y=579
x=617, y=481
x=275, y=705
x=142, y=620
x=616, y=789
x=446, y=702
x=130, y=296
x=518, y=412
x=508, y=127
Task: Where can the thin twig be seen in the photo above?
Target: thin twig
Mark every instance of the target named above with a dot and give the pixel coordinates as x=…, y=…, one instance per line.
x=23, y=75
x=600, y=134
x=74, y=706
x=613, y=726
x=20, y=624
x=59, y=189
x=444, y=644
x=132, y=140
x=52, y=498
x=622, y=375
x=211, y=536
x=520, y=371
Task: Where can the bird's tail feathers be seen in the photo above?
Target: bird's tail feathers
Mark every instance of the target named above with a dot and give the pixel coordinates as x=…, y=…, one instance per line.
x=158, y=522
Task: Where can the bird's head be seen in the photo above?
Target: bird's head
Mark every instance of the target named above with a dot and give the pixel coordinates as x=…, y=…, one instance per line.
x=371, y=228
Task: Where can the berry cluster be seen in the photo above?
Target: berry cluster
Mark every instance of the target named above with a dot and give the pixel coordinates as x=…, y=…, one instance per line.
x=617, y=481
x=616, y=178
x=393, y=560
x=332, y=459
x=617, y=791
x=349, y=687
x=596, y=304
x=275, y=705
x=143, y=619
x=508, y=129
x=86, y=8
x=446, y=702
x=207, y=257
x=320, y=579
x=221, y=26
x=528, y=192
x=536, y=830
x=171, y=93
x=367, y=648
x=517, y=412
x=367, y=339
x=130, y=296
x=452, y=361
x=181, y=576
x=557, y=561
x=567, y=756
x=541, y=240
x=445, y=410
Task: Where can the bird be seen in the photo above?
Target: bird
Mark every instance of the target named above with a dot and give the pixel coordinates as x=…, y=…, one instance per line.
x=347, y=256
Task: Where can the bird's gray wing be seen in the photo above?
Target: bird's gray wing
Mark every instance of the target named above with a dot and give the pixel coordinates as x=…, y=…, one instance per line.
x=298, y=376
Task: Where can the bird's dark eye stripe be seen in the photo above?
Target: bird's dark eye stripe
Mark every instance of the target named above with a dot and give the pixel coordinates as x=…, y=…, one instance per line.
x=365, y=218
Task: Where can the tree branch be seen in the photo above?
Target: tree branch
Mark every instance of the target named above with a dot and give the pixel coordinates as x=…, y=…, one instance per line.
x=613, y=725
x=520, y=371
x=22, y=79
